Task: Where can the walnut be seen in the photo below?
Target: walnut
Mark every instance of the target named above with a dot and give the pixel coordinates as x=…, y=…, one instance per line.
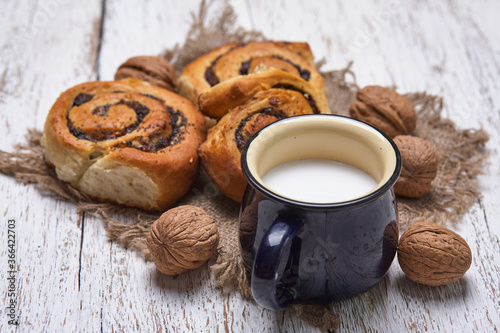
x=419, y=166
x=155, y=70
x=433, y=255
x=183, y=238
x=384, y=109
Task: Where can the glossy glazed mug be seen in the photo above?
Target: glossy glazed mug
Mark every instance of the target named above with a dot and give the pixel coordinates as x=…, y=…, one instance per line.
x=311, y=252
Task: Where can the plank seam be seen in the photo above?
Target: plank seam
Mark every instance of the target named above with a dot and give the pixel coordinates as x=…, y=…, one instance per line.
x=81, y=252
x=99, y=44
x=490, y=235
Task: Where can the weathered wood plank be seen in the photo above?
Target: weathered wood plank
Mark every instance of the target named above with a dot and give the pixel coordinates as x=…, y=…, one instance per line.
x=72, y=278
x=45, y=48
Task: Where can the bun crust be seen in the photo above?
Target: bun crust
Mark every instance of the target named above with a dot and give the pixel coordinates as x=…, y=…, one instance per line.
x=125, y=141
x=221, y=152
x=235, y=59
x=226, y=95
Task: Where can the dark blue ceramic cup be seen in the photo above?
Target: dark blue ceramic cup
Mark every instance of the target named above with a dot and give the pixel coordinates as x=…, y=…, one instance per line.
x=318, y=252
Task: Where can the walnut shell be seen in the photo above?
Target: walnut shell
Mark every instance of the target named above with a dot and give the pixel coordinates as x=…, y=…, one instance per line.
x=419, y=166
x=433, y=255
x=384, y=109
x=183, y=238
x=153, y=69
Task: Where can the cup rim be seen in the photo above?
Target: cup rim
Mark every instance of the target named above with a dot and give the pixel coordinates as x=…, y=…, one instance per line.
x=252, y=181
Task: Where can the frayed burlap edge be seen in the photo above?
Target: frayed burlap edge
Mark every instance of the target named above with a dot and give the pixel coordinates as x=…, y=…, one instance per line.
x=28, y=166
x=461, y=156
x=455, y=189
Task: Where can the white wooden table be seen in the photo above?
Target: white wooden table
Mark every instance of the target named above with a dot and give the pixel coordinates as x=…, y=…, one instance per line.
x=71, y=278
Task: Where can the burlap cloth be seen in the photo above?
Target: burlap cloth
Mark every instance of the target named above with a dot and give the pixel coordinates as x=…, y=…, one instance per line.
x=455, y=189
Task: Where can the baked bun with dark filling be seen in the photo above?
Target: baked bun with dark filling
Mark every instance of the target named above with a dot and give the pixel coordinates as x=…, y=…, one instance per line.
x=247, y=104
x=235, y=59
x=125, y=141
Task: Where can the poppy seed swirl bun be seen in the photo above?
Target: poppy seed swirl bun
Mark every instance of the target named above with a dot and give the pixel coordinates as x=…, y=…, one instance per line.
x=251, y=102
x=240, y=59
x=125, y=141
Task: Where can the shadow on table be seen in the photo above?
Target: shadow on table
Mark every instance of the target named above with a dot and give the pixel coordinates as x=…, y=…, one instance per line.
x=190, y=281
x=458, y=290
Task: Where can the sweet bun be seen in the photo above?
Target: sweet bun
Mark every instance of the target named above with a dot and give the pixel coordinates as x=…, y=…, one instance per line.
x=235, y=59
x=218, y=100
x=125, y=141
x=262, y=98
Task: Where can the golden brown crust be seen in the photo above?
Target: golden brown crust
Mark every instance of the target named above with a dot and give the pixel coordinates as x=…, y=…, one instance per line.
x=231, y=60
x=192, y=81
x=126, y=128
x=262, y=63
x=228, y=94
x=221, y=152
x=301, y=48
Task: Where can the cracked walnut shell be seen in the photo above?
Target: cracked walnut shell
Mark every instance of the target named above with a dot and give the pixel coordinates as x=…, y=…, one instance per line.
x=183, y=238
x=384, y=109
x=433, y=255
x=419, y=162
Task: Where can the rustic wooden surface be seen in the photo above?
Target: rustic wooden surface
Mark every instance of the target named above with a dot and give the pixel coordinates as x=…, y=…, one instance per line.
x=70, y=278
